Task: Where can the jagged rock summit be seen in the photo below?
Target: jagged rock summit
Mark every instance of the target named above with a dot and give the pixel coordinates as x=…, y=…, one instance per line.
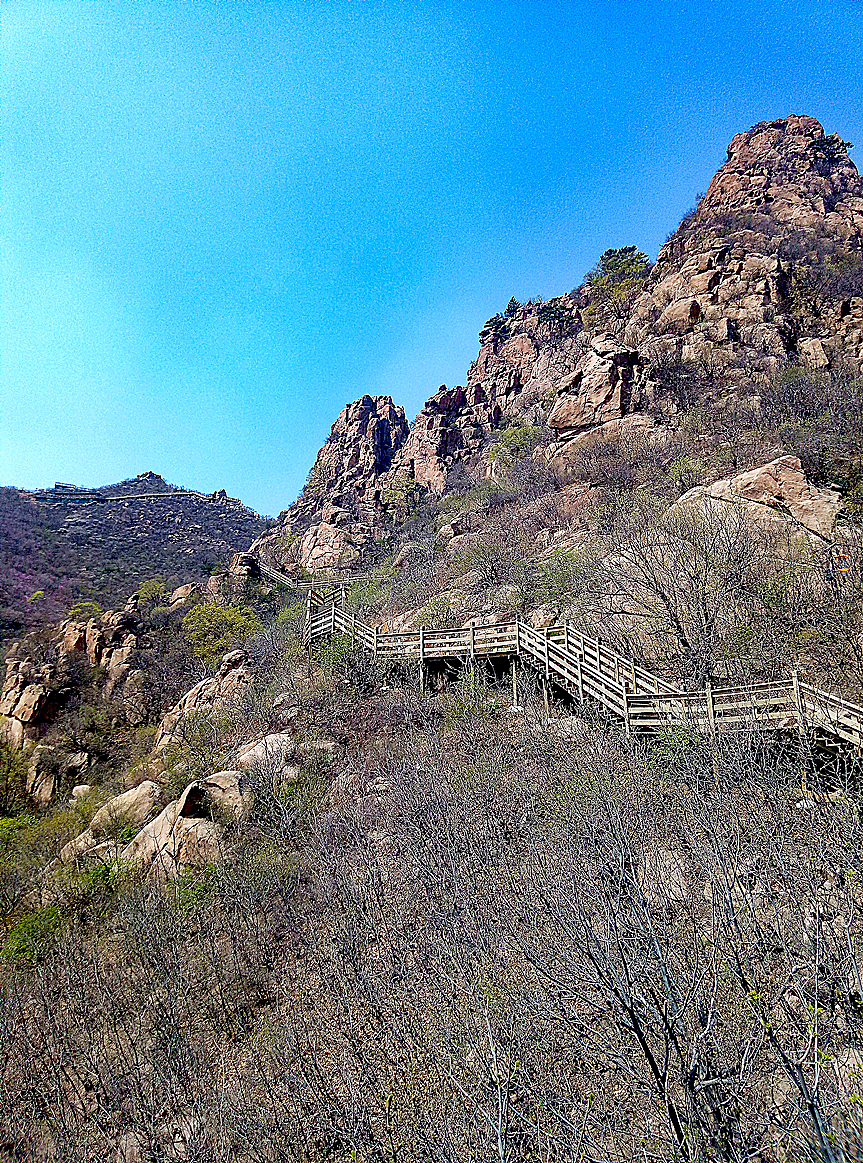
x=766, y=272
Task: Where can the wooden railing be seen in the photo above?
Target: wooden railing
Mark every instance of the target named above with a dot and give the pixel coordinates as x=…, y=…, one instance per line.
x=588, y=669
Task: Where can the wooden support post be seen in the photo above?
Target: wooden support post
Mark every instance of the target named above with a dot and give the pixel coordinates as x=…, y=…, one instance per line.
x=472, y=643
x=634, y=683
x=332, y=618
x=513, y=664
x=580, y=679
x=711, y=713
x=546, y=659
x=566, y=637
x=626, y=725
x=422, y=677
x=376, y=642
x=517, y=637
x=798, y=700
x=617, y=670
x=545, y=699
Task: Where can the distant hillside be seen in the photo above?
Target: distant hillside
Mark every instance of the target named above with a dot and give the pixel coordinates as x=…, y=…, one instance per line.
x=102, y=549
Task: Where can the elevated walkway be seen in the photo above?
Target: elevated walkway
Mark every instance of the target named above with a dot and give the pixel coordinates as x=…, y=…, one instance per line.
x=585, y=668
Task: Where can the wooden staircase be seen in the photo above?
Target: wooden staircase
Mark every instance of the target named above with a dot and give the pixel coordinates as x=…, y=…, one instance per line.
x=586, y=668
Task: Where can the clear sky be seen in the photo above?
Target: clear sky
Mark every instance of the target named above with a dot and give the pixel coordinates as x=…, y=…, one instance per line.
x=223, y=221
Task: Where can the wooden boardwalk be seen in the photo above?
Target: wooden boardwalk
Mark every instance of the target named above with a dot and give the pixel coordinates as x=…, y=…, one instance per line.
x=587, y=669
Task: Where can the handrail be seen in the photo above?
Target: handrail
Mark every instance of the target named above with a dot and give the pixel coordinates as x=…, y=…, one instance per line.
x=586, y=668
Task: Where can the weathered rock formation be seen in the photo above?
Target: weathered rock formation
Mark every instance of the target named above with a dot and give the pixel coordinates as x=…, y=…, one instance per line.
x=778, y=491
x=767, y=271
x=221, y=690
x=334, y=518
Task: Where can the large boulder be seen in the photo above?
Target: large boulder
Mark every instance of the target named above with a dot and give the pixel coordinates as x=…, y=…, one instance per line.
x=209, y=694
x=778, y=491
x=229, y=793
x=130, y=809
x=599, y=390
x=179, y=840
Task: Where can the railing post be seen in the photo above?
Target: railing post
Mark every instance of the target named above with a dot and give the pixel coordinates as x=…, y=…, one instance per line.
x=566, y=636
x=513, y=663
x=798, y=699
x=332, y=618
x=376, y=641
x=711, y=714
x=472, y=642
x=546, y=655
x=626, y=725
x=517, y=637
x=580, y=679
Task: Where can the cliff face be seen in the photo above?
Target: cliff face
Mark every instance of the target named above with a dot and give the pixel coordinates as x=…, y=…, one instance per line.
x=767, y=272
x=335, y=517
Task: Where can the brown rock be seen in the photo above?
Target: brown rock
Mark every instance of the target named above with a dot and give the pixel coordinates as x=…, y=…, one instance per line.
x=234, y=675
x=776, y=491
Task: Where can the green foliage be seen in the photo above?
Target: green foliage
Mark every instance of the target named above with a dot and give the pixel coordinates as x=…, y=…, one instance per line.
x=366, y=593
x=84, y=610
x=10, y=827
x=558, y=316
x=32, y=935
x=619, y=265
x=614, y=281
x=213, y=630
x=38, y=596
x=494, y=330
x=194, y=889
x=402, y=497
x=291, y=615
x=512, y=308
x=515, y=441
x=13, y=773
x=153, y=591
x=479, y=497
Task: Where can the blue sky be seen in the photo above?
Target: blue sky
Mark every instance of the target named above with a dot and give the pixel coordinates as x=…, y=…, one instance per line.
x=224, y=221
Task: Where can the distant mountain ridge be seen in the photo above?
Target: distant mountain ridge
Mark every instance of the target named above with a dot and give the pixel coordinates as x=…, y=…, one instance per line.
x=62, y=545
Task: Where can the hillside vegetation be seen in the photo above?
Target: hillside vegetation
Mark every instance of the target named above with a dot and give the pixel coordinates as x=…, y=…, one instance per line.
x=52, y=555
x=267, y=899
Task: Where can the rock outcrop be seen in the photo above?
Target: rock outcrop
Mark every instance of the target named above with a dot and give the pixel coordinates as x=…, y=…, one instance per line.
x=767, y=271
x=336, y=515
x=778, y=491
x=221, y=690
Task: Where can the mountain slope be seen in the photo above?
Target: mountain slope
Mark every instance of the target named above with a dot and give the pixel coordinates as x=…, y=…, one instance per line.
x=765, y=275
x=104, y=549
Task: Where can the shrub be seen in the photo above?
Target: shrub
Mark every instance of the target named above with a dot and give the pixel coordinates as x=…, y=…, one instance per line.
x=153, y=591
x=31, y=936
x=213, y=630
x=84, y=610
x=13, y=772
x=614, y=281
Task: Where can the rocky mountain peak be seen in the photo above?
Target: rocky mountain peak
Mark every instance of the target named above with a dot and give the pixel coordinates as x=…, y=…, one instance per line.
x=787, y=168
x=361, y=447
x=765, y=273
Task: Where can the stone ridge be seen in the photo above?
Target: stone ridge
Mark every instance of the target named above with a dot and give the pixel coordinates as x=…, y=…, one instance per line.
x=740, y=283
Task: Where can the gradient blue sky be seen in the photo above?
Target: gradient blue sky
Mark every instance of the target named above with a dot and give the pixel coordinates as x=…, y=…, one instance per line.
x=224, y=221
